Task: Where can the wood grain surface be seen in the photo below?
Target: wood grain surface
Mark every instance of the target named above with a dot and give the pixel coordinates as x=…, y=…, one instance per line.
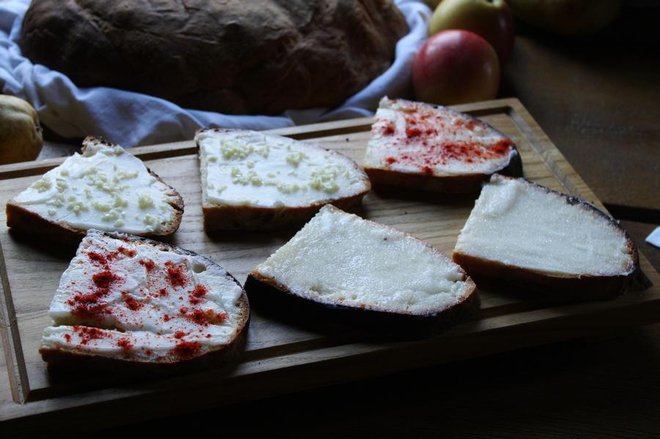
x=597, y=99
x=280, y=358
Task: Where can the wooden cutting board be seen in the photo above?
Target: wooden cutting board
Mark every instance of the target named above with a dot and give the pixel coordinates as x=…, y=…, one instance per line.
x=281, y=358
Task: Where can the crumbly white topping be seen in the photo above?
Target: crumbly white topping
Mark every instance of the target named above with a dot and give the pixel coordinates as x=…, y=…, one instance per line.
x=104, y=188
x=255, y=169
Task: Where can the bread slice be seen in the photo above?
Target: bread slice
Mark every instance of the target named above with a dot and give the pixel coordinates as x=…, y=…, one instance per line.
x=126, y=300
x=103, y=188
x=257, y=181
x=522, y=237
x=418, y=146
x=342, y=267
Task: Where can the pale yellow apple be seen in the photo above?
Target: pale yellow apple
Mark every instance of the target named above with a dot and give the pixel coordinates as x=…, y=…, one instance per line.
x=20, y=132
x=491, y=19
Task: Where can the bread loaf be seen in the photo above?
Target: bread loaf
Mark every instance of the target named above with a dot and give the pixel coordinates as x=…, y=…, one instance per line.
x=232, y=56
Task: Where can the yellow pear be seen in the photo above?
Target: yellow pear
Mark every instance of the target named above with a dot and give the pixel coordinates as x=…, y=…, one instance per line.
x=20, y=132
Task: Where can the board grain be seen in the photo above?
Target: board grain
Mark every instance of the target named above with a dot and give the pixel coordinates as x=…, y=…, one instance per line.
x=281, y=358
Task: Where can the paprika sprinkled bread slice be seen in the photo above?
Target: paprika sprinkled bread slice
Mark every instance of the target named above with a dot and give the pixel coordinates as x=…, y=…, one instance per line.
x=130, y=300
x=105, y=188
x=419, y=146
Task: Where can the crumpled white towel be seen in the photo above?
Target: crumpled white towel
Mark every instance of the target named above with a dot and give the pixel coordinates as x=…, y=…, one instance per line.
x=130, y=119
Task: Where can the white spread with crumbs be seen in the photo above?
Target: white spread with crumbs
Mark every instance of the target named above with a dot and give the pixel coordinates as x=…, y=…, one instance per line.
x=249, y=168
x=104, y=188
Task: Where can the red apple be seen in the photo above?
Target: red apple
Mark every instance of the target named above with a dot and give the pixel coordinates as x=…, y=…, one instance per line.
x=454, y=67
x=491, y=19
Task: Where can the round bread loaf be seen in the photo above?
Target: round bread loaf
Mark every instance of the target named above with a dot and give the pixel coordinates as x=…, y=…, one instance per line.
x=230, y=56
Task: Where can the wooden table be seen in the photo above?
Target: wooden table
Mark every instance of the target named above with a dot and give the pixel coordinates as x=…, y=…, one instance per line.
x=598, y=101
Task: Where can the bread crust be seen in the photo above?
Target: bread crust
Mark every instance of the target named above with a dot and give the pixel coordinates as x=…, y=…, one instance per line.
x=235, y=57
x=219, y=218
x=388, y=181
x=60, y=361
x=536, y=284
x=277, y=301
x=38, y=229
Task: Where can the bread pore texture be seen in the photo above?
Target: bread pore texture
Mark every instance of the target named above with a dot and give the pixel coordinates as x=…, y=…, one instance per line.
x=125, y=299
x=523, y=236
x=256, y=181
x=339, y=261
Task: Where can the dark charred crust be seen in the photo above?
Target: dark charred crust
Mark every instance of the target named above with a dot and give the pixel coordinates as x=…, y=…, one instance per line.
x=277, y=302
x=536, y=286
x=515, y=166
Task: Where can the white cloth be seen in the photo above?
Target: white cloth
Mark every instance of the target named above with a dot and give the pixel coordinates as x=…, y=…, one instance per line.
x=654, y=237
x=130, y=119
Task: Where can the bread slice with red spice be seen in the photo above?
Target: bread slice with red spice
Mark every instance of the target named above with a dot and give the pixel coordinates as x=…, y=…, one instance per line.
x=105, y=188
x=419, y=146
x=527, y=239
x=130, y=300
x=340, y=268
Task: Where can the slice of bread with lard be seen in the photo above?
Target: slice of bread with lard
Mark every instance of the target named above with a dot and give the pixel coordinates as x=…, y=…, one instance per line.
x=257, y=181
x=525, y=238
x=105, y=188
x=344, y=268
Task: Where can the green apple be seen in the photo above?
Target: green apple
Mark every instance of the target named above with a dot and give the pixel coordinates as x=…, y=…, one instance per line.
x=20, y=132
x=491, y=19
x=567, y=17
